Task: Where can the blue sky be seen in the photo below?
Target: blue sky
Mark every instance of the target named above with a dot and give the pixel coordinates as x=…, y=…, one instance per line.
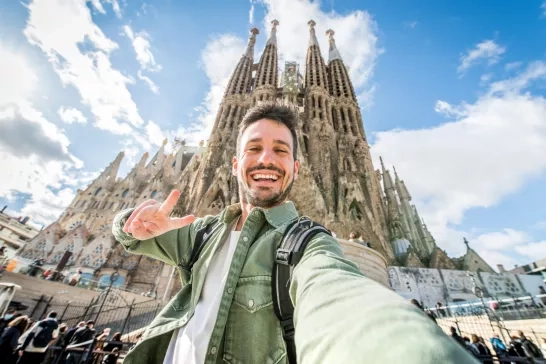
x=452, y=94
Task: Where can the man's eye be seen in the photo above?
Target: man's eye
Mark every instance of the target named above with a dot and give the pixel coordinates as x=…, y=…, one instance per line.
x=253, y=149
x=281, y=151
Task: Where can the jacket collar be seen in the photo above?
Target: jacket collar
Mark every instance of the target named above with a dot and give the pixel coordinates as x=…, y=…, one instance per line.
x=276, y=216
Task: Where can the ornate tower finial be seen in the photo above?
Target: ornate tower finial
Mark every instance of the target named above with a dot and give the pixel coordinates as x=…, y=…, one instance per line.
x=313, y=38
x=333, y=52
x=251, y=41
x=382, y=165
x=165, y=141
x=466, y=243
x=273, y=38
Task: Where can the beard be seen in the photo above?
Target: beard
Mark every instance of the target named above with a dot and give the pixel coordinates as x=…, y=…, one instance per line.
x=275, y=197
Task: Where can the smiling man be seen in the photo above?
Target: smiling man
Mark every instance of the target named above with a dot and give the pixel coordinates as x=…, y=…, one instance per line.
x=225, y=311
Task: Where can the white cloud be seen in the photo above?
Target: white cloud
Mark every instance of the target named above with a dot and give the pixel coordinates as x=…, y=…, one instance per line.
x=154, y=133
x=18, y=78
x=88, y=69
x=47, y=207
x=487, y=50
x=462, y=164
x=535, y=250
x=512, y=66
x=411, y=24
x=218, y=60
x=153, y=87
x=72, y=115
x=114, y=3
x=141, y=46
x=251, y=13
x=486, y=77
x=543, y=8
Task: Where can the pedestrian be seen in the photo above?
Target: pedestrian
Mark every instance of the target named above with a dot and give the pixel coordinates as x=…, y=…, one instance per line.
x=36, y=340
x=225, y=311
x=10, y=337
x=84, y=335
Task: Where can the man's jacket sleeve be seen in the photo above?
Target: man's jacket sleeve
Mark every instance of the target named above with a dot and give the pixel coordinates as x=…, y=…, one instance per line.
x=173, y=247
x=343, y=317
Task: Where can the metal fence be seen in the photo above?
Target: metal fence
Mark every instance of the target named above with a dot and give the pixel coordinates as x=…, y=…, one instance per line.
x=123, y=317
x=488, y=317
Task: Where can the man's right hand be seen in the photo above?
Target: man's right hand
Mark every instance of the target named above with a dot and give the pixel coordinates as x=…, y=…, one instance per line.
x=151, y=218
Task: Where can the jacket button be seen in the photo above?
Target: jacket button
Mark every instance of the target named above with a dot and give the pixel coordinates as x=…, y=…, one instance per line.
x=251, y=303
x=230, y=290
x=213, y=350
x=245, y=239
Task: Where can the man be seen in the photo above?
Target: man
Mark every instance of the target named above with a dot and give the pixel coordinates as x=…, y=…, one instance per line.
x=35, y=341
x=82, y=335
x=530, y=349
x=457, y=337
x=224, y=312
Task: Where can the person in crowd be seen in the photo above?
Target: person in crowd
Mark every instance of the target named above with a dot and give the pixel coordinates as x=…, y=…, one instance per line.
x=457, y=337
x=51, y=354
x=530, y=349
x=498, y=346
x=113, y=347
x=10, y=337
x=35, y=341
x=82, y=335
x=10, y=315
x=226, y=312
x=486, y=358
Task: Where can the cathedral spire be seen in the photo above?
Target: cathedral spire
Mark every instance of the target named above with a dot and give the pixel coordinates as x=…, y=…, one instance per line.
x=251, y=42
x=315, y=69
x=273, y=37
x=333, y=53
x=265, y=83
x=111, y=171
x=240, y=81
x=312, y=36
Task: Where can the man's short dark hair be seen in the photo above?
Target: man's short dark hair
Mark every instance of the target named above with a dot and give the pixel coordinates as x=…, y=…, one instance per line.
x=271, y=111
x=52, y=314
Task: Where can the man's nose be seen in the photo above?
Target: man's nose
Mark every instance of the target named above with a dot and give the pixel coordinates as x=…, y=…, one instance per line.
x=267, y=157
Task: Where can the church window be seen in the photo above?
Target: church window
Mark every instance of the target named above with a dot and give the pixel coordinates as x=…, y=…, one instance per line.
x=124, y=194
x=98, y=191
x=154, y=192
x=98, y=249
x=70, y=247
x=41, y=245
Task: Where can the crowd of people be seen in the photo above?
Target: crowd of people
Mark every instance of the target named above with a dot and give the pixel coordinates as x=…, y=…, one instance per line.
x=519, y=347
x=49, y=341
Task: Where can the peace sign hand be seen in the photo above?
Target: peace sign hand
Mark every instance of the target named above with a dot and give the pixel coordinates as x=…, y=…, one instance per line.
x=151, y=218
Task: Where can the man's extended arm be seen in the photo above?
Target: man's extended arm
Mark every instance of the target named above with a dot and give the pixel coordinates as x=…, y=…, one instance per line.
x=343, y=317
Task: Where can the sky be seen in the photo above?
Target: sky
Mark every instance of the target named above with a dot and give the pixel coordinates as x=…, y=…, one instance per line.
x=452, y=94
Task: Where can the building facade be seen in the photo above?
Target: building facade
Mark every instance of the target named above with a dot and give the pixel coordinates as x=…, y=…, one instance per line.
x=14, y=233
x=337, y=185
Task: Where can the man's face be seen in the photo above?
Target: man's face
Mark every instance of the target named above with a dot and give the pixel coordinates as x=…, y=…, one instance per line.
x=265, y=166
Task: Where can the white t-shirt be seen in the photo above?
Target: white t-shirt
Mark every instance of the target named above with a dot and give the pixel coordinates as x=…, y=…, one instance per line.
x=189, y=344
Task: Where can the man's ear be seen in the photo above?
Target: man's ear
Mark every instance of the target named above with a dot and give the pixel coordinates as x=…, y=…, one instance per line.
x=234, y=165
x=296, y=169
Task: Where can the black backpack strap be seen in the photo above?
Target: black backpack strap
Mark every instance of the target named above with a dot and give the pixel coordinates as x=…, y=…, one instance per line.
x=295, y=239
x=201, y=238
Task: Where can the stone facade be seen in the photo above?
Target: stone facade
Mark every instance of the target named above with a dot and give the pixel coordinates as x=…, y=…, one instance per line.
x=430, y=286
x=337, y=184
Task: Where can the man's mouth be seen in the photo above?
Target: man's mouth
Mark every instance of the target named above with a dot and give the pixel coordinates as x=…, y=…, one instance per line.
x=265, y=177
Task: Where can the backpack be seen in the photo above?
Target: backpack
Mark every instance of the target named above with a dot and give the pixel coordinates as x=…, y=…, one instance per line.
x=296, y=237
x=45, y=335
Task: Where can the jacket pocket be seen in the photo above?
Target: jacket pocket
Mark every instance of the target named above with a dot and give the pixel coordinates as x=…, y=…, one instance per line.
x=253, y=333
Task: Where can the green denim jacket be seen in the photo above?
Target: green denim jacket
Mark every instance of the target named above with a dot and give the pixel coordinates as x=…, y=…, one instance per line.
x=340, y=315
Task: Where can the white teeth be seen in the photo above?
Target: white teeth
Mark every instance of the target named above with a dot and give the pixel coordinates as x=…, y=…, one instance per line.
x=265, y=176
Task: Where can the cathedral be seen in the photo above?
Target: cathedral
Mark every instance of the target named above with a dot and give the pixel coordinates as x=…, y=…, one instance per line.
x=337, y=186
